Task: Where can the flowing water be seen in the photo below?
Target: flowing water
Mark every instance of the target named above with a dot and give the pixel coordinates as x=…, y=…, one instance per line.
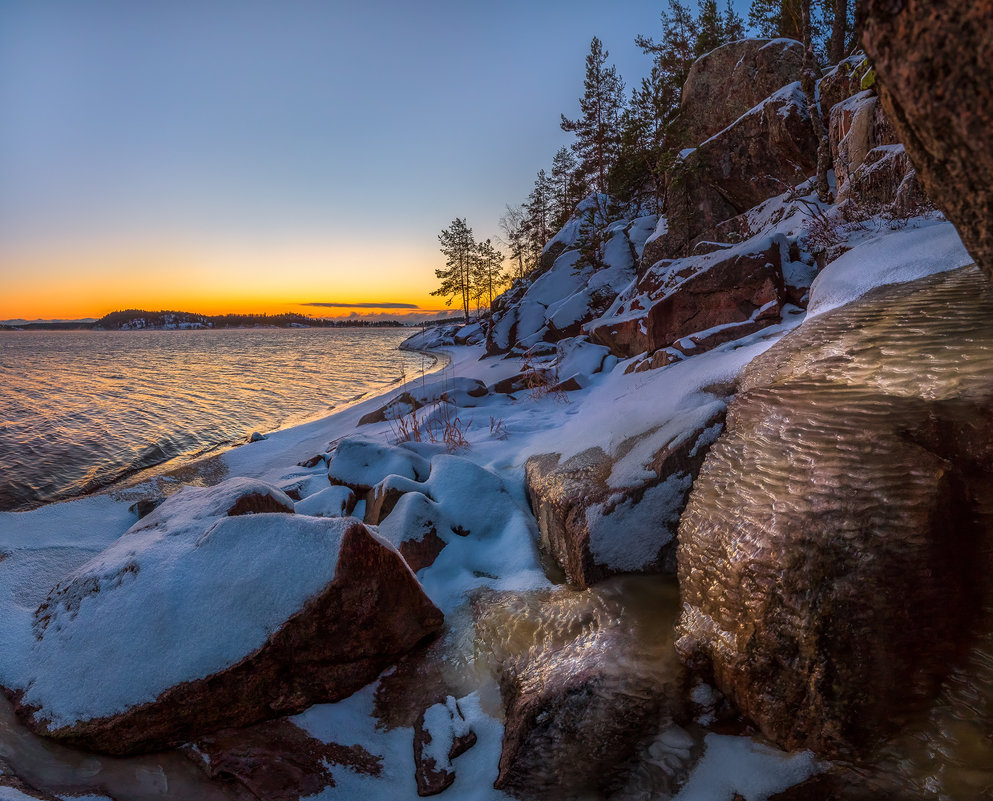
x=82, y=409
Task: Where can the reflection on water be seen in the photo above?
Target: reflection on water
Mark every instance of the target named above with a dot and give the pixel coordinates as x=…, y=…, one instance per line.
x=80, y=409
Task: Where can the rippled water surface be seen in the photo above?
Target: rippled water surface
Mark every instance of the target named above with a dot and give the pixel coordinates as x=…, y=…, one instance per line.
x=80, y=409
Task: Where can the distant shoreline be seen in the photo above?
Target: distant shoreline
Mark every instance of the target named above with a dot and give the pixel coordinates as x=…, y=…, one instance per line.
x=94, y=327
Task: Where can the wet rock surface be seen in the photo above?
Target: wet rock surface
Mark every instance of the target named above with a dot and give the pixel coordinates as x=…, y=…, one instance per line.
x=277, y=761
x=836, y=536
x=584, y=683
x=934, y=62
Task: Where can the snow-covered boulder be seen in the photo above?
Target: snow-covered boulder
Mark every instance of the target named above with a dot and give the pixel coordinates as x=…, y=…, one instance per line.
x=195, y=620
x=768, y=148
x=578, y=357
x=698, y=302
x=334, y=501
x=726, y=82
x=418, y=528
x=601, y=514
x=236, y=496
x=360, y=464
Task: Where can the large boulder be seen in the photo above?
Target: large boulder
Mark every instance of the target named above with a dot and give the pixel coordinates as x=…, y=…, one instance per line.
x=837, y=533
x=934, y=60
x=599, y=514
x=722, y=295
x=195, y=620
x=728, y=81
x=360, y=464
x=768, y=149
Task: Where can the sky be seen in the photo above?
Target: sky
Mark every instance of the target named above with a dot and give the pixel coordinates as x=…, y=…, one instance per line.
x=245, y=156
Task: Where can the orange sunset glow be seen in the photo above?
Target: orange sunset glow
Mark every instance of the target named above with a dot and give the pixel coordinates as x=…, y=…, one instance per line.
x=209, y=280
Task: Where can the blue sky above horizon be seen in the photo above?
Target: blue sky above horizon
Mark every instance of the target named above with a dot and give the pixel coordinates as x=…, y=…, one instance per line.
x=257, y=145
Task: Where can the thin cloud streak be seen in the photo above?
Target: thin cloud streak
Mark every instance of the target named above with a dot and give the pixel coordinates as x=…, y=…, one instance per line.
x=364, y=305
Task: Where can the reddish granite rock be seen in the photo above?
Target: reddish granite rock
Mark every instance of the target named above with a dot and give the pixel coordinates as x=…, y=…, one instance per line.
x=768, y=149
x=418, y=529
x=934, y=62
x=841, y=82
x=361, y=618
x=837, y=533
x=857, y=126
x=382, y=498
x=594, y=530
x=726, y=82
x=277, y=761
x=736, y=290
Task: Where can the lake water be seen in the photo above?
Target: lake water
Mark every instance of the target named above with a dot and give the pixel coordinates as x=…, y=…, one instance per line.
x=82, y=409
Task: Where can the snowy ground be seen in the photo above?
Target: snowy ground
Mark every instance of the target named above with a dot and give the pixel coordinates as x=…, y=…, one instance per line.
x=482, y=479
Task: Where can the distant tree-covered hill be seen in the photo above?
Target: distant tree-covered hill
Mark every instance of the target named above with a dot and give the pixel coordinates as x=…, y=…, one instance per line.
x=138, y=319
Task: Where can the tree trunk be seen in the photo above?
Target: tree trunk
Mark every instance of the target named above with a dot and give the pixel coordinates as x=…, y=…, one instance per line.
x=809, y=84
x=839, y=27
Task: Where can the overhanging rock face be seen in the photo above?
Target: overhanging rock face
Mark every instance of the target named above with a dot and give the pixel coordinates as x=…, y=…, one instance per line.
x=934, y=61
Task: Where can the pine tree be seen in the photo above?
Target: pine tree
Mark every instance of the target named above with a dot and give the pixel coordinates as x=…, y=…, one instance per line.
x=674, y=53
x=488, y=269
x=457, y=246
x=539, y=211
x=514, y=230
x=710, y=27
x=597, y=136
x=646, y=152
x=775, y=18
x=566, y=188
x=840, y=25
x=734, y=26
